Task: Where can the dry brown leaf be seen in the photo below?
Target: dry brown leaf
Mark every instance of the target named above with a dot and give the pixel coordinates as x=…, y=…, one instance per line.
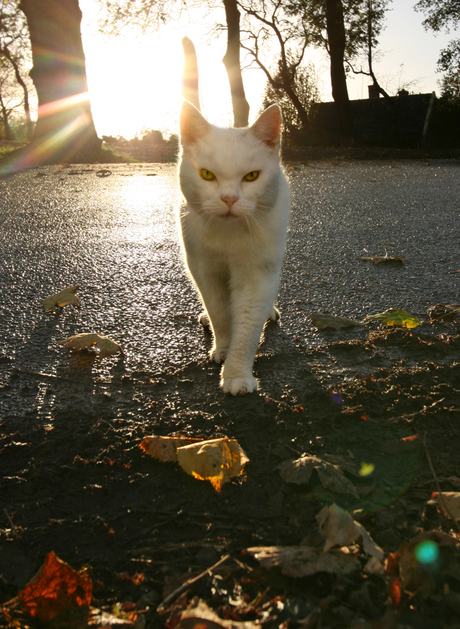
x=384, y=260
x=330, y=321
x=303, y=561
x=216, y=460
x=200, y=616
x=54, y=588
x=299, y=471
x=64, y=298
x=164, y=448
x=452, y=502
x=339, y=529
x=88, y=339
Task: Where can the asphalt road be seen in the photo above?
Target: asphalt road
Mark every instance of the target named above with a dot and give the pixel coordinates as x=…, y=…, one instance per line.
x=113, y=232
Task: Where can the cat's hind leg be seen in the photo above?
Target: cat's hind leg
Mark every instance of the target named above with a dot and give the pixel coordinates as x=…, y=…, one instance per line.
x=218, y=355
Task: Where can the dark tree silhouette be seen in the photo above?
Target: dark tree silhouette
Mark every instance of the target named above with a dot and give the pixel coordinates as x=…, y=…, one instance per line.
x=232, y=64
x=65, y=124
x=336, y=37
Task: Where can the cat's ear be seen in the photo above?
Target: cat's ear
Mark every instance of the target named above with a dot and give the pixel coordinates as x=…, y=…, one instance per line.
x=192, y=124
x=267, y=127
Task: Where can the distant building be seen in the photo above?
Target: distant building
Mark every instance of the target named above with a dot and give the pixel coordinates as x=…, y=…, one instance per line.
x=401, y=121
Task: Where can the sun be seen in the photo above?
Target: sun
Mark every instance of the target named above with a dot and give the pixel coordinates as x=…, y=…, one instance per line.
x=135, y=81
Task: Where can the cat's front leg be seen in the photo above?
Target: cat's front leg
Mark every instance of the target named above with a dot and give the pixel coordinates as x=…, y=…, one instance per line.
x=252, y=305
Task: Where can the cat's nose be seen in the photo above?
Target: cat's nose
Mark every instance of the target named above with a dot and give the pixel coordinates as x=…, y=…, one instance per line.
x=229, y=199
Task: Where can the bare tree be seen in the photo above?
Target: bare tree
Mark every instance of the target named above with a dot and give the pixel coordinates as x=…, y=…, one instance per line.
x=268, y=21
x=15, y=50
x=306, y=87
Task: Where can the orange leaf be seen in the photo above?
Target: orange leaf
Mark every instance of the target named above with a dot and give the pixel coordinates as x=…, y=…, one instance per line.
x=395, y=591
x=54, y=588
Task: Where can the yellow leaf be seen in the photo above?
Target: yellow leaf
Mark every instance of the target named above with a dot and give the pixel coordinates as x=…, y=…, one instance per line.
x=64, y=298
x=165, y=448
x=394, y=317
x=217, y=460
x=104, y=343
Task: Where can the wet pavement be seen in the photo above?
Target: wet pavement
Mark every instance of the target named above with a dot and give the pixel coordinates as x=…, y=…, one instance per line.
x=113, y=232
x=73, y=478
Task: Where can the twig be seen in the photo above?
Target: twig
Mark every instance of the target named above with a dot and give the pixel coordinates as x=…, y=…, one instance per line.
x=422, y=410
x=39, y=374
x=447, y=314
x=162, y=607
x=13, y=526
x=438, y=487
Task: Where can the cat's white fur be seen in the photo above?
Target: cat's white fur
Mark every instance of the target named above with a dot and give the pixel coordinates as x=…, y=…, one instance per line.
x=233, y=233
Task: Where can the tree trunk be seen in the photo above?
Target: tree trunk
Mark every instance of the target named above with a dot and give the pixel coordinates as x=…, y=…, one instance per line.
x=6, y=124
x=232, y=64
x=336, y=37
x=65, y=126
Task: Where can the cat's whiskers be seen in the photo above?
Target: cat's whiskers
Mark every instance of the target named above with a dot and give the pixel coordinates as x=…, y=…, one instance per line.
x=248, y=223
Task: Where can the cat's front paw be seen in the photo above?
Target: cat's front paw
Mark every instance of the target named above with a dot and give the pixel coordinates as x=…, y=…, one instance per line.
x=219, y=354
x=239, y=386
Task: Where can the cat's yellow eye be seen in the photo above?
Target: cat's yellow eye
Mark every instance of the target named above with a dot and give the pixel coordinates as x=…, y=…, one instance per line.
x=252, y=176
x=207, y=174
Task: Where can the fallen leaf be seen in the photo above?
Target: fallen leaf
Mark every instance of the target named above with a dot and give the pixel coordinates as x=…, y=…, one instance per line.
x=329, y=321
x=299, y=471
x=452, y=501
x=200, y=616
x=64, y=298
x=165, y=448
x=396, y=261
x=88, y=339
x=394, y=317
x=54, y=588
x=303, y=561
x=216, y=460
x=339, y=529
x=118, y=619
x=417, y=557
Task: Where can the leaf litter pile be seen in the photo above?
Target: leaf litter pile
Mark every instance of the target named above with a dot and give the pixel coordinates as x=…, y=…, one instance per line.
x=156, y=501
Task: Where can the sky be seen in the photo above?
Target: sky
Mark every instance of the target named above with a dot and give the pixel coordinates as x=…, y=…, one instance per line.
x=135, y=81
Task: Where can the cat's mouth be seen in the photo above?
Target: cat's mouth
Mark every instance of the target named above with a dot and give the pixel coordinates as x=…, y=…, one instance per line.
x=228, y=216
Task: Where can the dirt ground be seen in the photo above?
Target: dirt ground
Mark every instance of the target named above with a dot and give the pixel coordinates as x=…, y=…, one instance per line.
x=144, y=528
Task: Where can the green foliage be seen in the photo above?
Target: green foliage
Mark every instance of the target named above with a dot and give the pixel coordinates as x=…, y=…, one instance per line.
x=441, y=14
x=362, y=18
x=444, y=15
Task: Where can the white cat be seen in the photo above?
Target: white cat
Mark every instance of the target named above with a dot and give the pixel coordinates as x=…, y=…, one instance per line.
x=233, y=228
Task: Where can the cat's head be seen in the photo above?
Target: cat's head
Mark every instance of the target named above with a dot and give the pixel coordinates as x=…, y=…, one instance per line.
x=229, y=173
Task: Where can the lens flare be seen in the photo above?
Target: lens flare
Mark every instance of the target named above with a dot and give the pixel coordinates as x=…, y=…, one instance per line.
x=366, y=469
x=427, y=552
x=70, y=125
